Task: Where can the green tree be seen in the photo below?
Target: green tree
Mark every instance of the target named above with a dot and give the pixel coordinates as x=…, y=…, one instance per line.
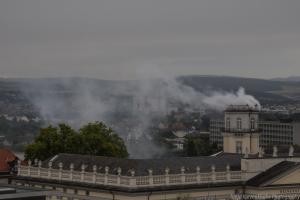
x=93, y=139
x=199, y=146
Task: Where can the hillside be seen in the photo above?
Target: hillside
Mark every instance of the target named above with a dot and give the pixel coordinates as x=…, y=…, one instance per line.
x=266, y=91
x=28, y=104
x=288, y=79
x=16, y=95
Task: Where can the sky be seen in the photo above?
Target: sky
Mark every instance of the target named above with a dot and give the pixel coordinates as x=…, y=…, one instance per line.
x=117, y=39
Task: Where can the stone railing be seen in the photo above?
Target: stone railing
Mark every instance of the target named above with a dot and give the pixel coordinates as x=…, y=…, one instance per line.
x=236, y=130
x=131, y=181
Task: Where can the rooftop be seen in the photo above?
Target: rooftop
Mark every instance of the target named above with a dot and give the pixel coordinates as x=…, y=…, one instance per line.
x=273, y=172
x=18, y=192
x=6, y=156
x=242, y=108
x=142, y=166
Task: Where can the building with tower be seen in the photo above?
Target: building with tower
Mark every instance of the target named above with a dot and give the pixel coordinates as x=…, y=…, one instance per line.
x=270, y=132
x=241, y=132
x=241, y=171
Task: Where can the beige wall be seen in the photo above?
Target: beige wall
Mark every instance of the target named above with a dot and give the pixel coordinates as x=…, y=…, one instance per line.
x=245, y=116
x=249, y=141
x=284, y=190
x=219, y=193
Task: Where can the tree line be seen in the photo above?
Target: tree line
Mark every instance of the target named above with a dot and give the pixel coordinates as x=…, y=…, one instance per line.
x=92, y=139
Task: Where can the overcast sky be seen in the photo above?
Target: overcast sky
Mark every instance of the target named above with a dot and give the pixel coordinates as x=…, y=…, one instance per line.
x=117, y=39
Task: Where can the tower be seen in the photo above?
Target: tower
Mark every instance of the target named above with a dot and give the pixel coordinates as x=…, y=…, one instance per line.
x=241, y=133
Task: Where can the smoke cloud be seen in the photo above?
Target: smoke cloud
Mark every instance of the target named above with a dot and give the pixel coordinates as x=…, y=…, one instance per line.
x=220, y=100
x=129, y=107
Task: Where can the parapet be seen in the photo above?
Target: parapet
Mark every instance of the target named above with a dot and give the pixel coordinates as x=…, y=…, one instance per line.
x=242, y=108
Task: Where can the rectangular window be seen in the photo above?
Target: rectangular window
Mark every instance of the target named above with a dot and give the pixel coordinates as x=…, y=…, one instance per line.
x=238, y=147
x=239, y=124
x=252, y=124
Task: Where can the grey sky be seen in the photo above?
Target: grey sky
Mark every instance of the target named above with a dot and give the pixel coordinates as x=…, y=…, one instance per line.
x=116, y=39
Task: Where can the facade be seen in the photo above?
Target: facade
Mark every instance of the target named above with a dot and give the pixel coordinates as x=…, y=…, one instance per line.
x=242, y=170
x=215, y=129
x=95, y=177
x=9, y=192
x=274, y=133
x=271, y=133
x=241, y=133
x=223, y=176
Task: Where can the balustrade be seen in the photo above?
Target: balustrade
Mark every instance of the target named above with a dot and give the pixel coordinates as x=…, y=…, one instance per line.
x=131, y=181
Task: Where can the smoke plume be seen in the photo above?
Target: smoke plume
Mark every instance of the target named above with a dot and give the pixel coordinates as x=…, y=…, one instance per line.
x=220, y=100
x=128, y=106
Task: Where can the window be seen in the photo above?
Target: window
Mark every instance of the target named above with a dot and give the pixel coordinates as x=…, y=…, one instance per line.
x=239, y=124
x=238, y=147
x=252, y=124
x=228, y=123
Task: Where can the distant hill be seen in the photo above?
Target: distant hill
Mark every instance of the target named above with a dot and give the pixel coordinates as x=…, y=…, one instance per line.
x=288, y=79
x=266, y=91
x=14, y=102
x=228, y=83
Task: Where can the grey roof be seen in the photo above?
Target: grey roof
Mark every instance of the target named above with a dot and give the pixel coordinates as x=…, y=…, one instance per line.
x=141, y=166
x=9, y=191
x=272, y=172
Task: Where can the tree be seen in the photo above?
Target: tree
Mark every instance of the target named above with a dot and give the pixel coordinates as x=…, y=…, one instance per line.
x=199, y=146
x=92, y=139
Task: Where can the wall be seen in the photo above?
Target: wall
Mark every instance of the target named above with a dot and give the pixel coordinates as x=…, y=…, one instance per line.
x=93, y=194
x=244, y=116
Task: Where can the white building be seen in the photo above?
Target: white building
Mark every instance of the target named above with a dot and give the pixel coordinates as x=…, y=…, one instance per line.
x=241, y=170
x=241, y=133
x=271, y=133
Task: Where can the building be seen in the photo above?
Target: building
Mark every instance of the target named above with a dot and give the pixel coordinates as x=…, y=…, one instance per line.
x=222, y=176
x=215, y=129
x=180, y=137
x=9, y=192
x=241, y=132
x=8, y=163
x=276, y=133
x=271, y=133
x=242, y=170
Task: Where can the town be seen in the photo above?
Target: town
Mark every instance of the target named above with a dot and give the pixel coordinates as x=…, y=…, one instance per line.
x=149, y=100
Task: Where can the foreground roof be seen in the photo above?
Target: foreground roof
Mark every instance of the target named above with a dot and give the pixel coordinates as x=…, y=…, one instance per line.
x=141, y=166
x=272, y=173
x=6, y=156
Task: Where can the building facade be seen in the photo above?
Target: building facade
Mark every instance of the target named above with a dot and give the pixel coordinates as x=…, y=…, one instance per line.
x=223, y=176
x=242, y=170
x=241, y=132
x=271, y=133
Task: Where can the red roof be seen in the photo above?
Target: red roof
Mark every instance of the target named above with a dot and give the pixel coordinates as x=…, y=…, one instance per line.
x=6, y=156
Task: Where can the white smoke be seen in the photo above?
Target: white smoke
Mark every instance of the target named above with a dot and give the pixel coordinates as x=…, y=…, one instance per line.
x=80, y=101
x=220, y=100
